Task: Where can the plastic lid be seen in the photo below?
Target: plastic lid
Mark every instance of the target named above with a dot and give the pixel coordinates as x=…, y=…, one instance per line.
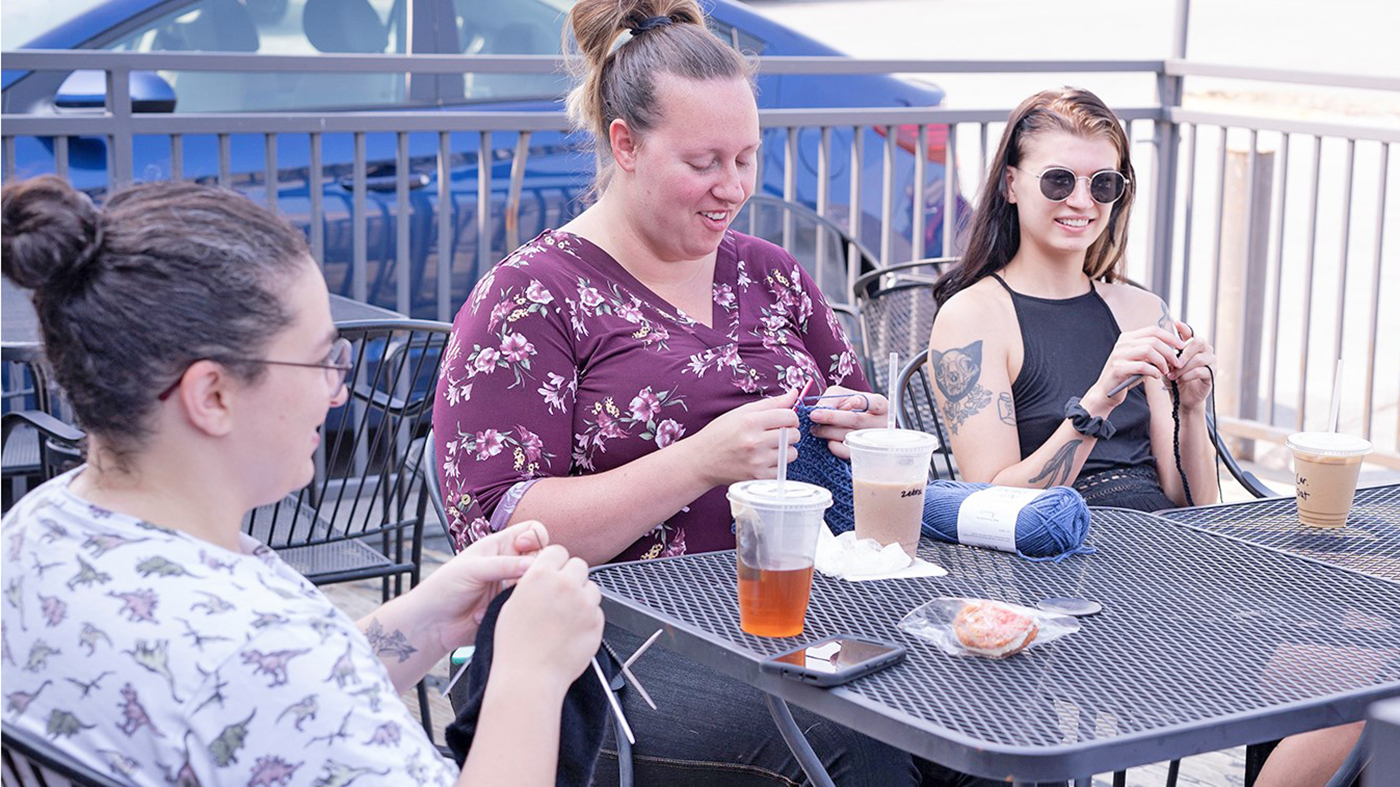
x=791, y=495
x=893, y=441
x=1330, y=444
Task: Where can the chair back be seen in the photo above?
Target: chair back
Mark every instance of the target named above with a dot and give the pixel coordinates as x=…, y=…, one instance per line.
x=824, y=248
x=919, y=410
x=31, y=759
x=895, y=311
x=432, y=486
x=367, y=468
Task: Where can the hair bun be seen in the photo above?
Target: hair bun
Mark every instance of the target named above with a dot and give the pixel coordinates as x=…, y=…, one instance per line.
x=52, y=234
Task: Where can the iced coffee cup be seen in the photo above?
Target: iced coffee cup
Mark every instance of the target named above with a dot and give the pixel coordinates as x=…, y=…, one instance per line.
x=775, y=533
x=889, y=469
x=1325, y=468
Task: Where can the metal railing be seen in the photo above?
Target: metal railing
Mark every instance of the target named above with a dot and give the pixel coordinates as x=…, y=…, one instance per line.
x=1238, y=255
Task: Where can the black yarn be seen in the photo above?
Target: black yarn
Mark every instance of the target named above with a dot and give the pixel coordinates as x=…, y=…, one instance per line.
x=1176, y=440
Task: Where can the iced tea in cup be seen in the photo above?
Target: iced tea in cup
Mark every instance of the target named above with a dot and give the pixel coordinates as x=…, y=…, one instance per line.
x=889, y=469
x=775, y=533
x=1325, y=468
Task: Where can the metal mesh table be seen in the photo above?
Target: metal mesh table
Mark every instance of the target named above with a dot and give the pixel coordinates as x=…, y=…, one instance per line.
x=1369, y=543
x=1204, y=643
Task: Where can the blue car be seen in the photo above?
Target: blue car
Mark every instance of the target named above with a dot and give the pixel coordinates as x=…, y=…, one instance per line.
x=557, y=173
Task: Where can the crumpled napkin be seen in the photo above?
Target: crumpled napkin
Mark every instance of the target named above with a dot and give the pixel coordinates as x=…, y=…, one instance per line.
x=852, y=559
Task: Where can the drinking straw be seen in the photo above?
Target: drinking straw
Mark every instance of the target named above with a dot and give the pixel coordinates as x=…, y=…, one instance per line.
x=782, y=455
x=894, y=390
x=1336, y=397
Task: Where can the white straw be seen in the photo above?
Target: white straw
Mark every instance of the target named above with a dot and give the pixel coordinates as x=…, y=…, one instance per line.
x=782, y=455
x=1336, y=398
x=894, y=390
x=612, y=700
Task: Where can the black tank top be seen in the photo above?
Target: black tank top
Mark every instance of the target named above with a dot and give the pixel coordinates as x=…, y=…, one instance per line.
x=1066, y=344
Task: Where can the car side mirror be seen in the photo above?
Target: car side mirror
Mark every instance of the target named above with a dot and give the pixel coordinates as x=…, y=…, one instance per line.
x=87, y=89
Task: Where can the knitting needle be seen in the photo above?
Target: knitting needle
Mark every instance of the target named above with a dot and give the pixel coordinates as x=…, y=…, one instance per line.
x=627, y=673
x=633, y=658
x=612, y=699
x=1131, y=381
x=807, y=386
x=456, y=677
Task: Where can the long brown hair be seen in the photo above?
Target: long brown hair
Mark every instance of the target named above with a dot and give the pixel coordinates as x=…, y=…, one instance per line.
x=619, y=81
x=996, y=230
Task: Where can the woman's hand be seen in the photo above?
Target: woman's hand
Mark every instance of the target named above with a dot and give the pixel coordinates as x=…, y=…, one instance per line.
x=1150, y=352
x=742, y=444
x=552, y=624
x=465, y=585
x=854, y=411
x=1193, y=376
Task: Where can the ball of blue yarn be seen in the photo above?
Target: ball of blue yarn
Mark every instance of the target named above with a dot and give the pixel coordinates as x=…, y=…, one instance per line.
x=1052, y=526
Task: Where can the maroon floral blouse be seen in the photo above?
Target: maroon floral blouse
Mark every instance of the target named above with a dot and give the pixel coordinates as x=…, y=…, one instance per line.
x=561, y=363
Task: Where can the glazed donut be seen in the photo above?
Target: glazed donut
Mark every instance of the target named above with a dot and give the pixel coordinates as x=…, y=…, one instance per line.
x=989, y=628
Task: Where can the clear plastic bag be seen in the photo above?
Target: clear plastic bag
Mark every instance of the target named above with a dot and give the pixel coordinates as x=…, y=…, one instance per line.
x=982, y=627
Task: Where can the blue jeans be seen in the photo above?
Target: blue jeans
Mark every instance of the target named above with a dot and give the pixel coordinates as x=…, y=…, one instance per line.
x=709, y=729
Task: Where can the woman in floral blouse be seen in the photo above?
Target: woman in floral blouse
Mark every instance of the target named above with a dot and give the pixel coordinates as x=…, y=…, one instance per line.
x=612, y=377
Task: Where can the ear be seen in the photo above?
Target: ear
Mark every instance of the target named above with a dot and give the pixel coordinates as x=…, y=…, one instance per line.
x=1007, y=180
x=624, y=145
x=205, y=393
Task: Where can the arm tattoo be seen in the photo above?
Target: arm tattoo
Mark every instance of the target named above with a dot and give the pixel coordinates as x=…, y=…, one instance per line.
x=383, y=644
x=1057, y=470
x=956, y=372
x=1006, y=409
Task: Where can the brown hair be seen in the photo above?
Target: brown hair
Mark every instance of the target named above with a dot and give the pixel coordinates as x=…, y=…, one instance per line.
x=619, y=81
x=129, y=295
x=996, y=231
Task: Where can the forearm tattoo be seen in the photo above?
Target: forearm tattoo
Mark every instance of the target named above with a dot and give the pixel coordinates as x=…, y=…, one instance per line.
x=1058, y=469
x=1006, y=409
x=383, y=644
x=957, y=371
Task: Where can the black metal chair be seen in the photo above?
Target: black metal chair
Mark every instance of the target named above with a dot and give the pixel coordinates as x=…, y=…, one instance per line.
x=895, y=311
x=360, y=518
x=28, y=458
x=31, y=759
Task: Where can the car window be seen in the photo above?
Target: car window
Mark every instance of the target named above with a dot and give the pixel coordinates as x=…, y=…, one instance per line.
x=533, y=27
x=510, y=27
x=282, y=27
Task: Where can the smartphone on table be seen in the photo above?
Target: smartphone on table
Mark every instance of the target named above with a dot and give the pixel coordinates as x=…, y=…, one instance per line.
x=834, y=660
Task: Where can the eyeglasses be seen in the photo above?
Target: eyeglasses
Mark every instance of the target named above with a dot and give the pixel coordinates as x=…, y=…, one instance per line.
x=1105, y=186
x=337, y=366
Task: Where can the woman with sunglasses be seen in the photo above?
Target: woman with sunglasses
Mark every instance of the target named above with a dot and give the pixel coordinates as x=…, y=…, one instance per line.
x=144, y=633
x=1049, y=369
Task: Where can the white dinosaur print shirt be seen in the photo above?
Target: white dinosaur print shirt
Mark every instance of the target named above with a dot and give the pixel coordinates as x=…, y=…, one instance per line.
x=163, y=659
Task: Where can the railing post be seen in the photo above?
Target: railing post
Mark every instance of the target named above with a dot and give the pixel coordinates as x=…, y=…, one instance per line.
x=119, y=110
x=1161, y=225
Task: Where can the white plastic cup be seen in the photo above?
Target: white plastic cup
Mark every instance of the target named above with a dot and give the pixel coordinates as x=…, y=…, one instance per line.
x=889, y=468
x=1326, y=466
x=775, y=530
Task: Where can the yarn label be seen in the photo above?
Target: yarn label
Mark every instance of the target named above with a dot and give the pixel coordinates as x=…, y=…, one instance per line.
x=987, y=518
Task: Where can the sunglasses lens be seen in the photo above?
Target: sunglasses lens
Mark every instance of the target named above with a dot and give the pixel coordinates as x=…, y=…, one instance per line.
x=1106, y=187
x=1057, y=184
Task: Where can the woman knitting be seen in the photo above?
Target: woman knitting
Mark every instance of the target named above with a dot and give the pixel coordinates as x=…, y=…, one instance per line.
x=1048, y=369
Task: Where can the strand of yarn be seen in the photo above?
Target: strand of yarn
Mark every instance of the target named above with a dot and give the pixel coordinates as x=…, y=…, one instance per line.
x=1176, y=441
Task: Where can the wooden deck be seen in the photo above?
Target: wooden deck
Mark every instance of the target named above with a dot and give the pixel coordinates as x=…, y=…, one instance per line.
x=1216, y=769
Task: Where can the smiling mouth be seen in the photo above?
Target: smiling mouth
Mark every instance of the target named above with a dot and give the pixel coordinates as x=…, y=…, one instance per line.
x=1073, y=223
x=715, y=215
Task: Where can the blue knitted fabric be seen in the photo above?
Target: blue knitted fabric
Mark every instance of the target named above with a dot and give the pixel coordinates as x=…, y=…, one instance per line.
x=1051, y=527
x=815, y=464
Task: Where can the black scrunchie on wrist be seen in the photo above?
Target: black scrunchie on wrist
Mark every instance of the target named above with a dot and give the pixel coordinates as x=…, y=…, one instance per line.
x=1085, y=424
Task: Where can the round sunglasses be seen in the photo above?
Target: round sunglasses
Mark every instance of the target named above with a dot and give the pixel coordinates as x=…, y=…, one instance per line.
x=1105, y=186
